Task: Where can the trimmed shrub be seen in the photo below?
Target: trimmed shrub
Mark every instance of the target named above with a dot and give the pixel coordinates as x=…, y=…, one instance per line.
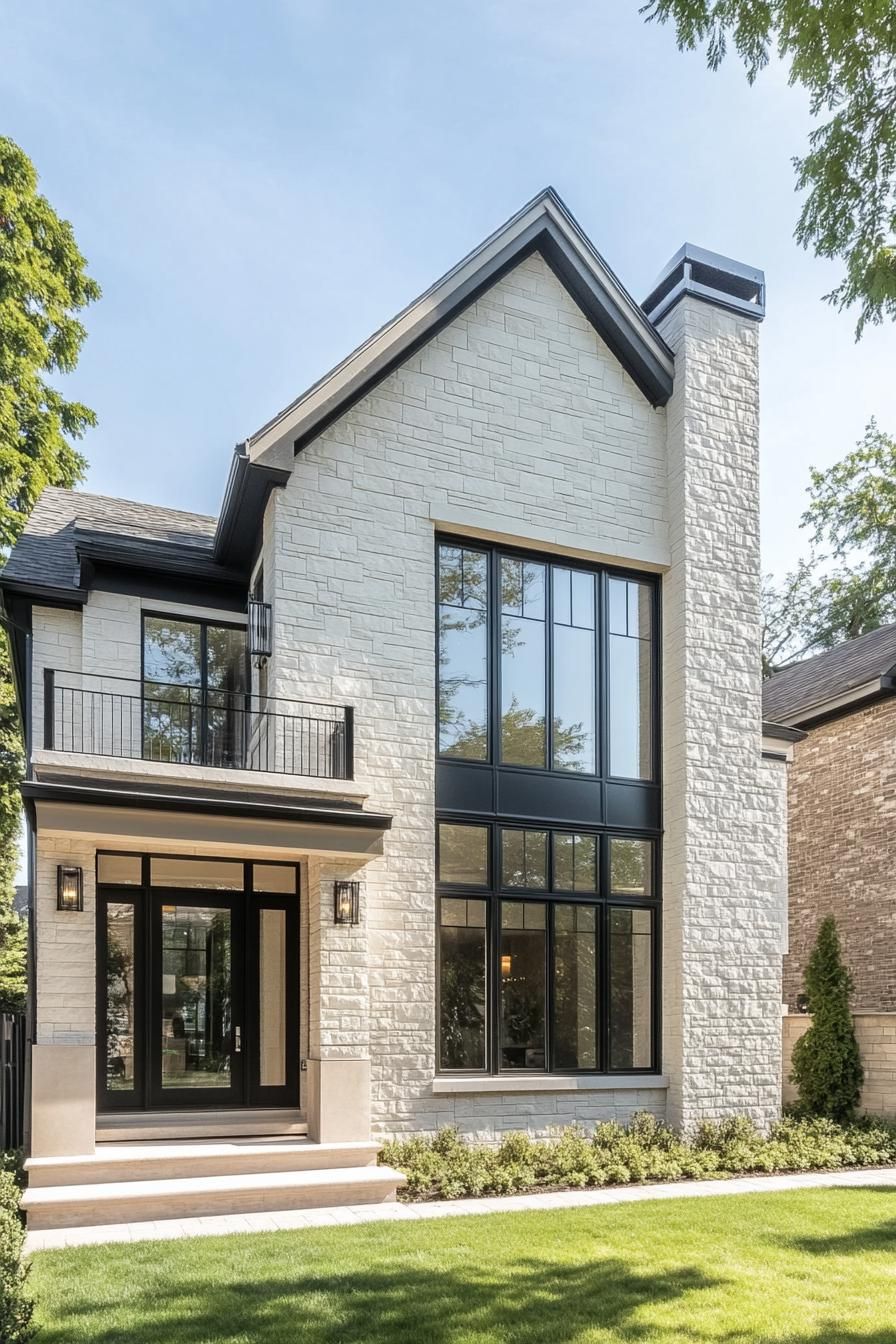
x=827, y=1066
x=447, y=1167
x=16, y=1307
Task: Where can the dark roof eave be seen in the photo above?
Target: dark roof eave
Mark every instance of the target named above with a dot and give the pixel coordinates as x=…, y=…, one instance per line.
x=161, y=557
x=246, y=494
x=782, y=732
x=202, y=802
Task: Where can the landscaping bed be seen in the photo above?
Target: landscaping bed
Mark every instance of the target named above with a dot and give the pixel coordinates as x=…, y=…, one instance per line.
x=447, y=1166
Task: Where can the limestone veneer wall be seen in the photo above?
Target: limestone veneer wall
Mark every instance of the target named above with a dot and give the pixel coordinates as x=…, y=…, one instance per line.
x=516, y=423
x=876, y=1034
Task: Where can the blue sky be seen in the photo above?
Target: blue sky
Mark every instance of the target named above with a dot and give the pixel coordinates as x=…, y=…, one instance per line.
x=259, y=186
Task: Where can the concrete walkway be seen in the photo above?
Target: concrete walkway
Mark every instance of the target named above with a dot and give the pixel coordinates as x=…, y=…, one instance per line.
x=409, y=1213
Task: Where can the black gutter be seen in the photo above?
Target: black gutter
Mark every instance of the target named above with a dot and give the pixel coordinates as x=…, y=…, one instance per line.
x=82, y=791
x=246, y=494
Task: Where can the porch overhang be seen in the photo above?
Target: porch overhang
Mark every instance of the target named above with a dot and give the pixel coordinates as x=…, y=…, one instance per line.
x=204, y=820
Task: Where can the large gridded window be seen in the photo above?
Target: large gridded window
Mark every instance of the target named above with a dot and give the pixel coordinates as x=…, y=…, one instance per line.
x=522, y=642
x=550, y=964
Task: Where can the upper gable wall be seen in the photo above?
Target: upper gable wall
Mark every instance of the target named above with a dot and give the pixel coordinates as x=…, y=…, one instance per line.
x=517, y=420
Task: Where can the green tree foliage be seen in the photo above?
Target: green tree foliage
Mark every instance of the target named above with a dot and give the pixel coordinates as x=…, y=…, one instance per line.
x=43, y=286
x=843, y=53
x=848, y=585
x=827, y=1067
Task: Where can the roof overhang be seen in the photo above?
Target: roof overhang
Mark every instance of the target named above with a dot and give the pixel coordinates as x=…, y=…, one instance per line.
x=246, y=494
x=95, y=549
x=835, y=706
x=544, y=225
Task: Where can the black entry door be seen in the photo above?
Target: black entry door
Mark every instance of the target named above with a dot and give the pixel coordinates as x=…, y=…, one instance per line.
x=196, y=999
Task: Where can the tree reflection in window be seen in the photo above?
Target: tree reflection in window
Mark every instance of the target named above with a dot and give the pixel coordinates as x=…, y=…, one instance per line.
x=463, y=653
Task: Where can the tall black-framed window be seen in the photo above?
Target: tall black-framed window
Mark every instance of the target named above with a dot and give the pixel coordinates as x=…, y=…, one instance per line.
x=548, y=955
x=545, y=664
x=195, y=687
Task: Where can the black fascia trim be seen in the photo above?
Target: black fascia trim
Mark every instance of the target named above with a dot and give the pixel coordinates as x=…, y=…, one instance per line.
x=543, y=237
x=782, y=732
x=79, y=790
x=775, y=756
x=45, y=594
x=156, y=557
x=229, y=598
x=249, y=485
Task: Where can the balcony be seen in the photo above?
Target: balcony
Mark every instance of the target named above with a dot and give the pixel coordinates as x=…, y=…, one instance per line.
x=182, y=725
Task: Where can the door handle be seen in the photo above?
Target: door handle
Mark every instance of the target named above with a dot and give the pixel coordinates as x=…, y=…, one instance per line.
x=237, y=1041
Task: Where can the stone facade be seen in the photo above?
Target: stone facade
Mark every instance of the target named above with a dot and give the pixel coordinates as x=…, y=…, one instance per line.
x=842, y=803
x=514, y=423
x=721, y=888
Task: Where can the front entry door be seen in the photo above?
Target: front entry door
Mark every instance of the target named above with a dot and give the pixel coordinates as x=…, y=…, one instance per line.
x=197, y=995
x=196, y=1017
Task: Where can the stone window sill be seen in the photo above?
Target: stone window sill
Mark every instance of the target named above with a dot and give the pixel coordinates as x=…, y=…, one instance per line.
x=582, y=1082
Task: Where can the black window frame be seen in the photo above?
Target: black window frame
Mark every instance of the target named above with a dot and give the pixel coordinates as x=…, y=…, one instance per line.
x=602, y=573
x=203, y=622
x=603, y=901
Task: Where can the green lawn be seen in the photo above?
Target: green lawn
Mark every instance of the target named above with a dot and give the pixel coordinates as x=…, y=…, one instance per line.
x=809, y=1267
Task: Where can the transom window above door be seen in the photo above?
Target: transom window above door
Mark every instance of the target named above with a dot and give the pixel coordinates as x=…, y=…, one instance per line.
x=195, y=684
x=545, y=664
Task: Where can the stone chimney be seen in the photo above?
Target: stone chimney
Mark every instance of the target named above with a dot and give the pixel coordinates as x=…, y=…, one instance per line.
x=722, y=848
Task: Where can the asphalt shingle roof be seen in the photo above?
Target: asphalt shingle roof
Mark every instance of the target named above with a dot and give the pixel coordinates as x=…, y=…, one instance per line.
x=832, y=673
x=45, y=552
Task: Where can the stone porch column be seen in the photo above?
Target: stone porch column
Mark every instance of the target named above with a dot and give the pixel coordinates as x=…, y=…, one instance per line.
x=337, y=1090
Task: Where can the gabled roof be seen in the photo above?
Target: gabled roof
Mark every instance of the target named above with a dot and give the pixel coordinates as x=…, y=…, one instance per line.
x=839, y=679
x=64, y=522
x=544, y=225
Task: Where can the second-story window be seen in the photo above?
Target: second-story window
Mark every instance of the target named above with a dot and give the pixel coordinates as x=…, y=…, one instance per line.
x=522, y=642
x=194, y=691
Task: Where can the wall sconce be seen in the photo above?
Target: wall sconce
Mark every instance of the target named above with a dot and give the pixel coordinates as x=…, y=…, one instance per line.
x=347, y=902
x=69, y=888
x=506, y=963
x=261, y=629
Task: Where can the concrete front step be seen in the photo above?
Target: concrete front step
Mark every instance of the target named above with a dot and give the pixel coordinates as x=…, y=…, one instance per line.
x=205, y=1196
x=151, y=1126
x=173, y=1160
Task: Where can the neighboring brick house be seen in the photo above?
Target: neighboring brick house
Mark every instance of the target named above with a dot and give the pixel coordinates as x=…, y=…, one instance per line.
x=841, y=800
x=841, y=811
x=466, y=816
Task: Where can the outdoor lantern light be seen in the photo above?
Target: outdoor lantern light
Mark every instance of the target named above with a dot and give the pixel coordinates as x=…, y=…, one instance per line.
x=69, y=888
x=261, y=629
x=347, y=902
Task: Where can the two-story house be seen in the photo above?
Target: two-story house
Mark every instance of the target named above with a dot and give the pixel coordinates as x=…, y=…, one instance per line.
x=425, y=784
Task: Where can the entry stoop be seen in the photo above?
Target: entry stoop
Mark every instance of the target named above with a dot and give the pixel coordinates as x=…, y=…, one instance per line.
x=151, y=1182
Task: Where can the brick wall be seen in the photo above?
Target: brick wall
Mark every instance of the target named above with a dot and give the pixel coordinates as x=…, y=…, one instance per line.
x=876, y=1034
x=842, y=806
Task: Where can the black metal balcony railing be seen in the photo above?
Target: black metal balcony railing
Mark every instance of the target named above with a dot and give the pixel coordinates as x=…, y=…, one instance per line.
x=185, y=725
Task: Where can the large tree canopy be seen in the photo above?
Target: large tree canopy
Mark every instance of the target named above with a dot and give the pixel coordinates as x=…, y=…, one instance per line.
x=43, y=285
x=848, y=585
x=843, y=52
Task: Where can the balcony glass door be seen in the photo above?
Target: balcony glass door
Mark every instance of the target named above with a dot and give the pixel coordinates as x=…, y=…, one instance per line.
x=195, y=687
